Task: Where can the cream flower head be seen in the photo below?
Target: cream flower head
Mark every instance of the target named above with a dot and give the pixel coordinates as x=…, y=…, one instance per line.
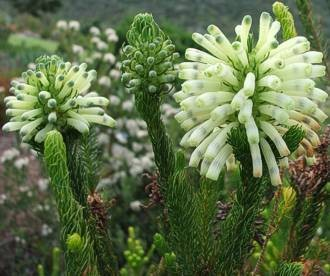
x=54, y=96
x=267, y=87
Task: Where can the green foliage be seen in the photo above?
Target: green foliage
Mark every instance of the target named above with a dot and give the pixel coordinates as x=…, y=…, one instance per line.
x=293, y=137
x=70, y=212
x=96, y=249
x=289, y=269
x=81, y=149
x=284, y=16
x=36, y=8
x=305, y=223
x=238, y=230
x=190, y=201
x=181, y=207
x=20, y=40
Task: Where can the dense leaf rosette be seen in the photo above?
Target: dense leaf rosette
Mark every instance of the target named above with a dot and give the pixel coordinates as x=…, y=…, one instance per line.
x=267, y=87
x=54, y=96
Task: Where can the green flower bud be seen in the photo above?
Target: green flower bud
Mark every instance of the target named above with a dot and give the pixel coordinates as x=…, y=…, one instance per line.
x=74, y=242
x=152, y=74
x=170, y=259
x=170, y=48
x=128, y=49
x=126, y=62
x=150, y=60
x=139, y=68
x=153, y=57
x=152, y=46
x=124, y=272
x=284, y=16
x=138, y=55
x=152, y=89
x=127, y=253
x=160, y=243
x=126, y=77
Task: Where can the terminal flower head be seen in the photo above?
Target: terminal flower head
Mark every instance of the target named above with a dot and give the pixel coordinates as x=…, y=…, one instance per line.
x=148, y=57
x=265, y=85
x=54, y=96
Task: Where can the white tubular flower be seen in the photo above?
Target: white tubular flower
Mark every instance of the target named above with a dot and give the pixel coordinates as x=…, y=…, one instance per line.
x=54, y=97
x=95, y=31
x=74, y=25
x=104, y=81
x=62, y=25
x=77, y=49
x=267, y=89
x=110, y=58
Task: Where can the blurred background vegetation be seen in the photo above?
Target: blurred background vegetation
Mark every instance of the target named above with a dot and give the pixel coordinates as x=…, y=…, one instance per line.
x=30, y=28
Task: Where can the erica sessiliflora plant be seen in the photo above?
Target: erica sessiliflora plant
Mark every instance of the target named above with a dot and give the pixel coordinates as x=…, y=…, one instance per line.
x=50, y=101
x=148, y=73
x=54, y=96
x=262, y=84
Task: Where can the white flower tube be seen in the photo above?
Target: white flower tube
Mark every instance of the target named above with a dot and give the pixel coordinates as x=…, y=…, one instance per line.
x=245, y=112
x=277, y=139
x=273, y=170
x=245, y=30
x=264, y=25
x=252, y=131
x=198, y=153
x=218, y=162
x=256, y=159
x=218, y=142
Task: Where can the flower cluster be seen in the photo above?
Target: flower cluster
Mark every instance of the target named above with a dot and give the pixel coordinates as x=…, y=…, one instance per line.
x=54, y=96
x=267, y=87
x=72, y=25
x=149, y=57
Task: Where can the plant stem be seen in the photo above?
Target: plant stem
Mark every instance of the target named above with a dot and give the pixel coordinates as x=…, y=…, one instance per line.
x=148, y=106
x=237, y=231
x=272, y=227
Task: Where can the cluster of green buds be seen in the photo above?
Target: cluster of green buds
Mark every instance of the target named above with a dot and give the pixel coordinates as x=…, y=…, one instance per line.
x=135, y=255
x=288, y=199
x=149, y=57
x=54, y=96
x=266, y=86
x=74, y=242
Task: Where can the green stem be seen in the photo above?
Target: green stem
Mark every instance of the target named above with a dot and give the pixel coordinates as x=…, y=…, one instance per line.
x=237, y=231
x=148, y=106
x=272, y=227
x=75, y=218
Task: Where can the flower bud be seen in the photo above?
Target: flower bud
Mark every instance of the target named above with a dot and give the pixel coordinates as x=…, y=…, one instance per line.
x=74, y=242
x=148, y=45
